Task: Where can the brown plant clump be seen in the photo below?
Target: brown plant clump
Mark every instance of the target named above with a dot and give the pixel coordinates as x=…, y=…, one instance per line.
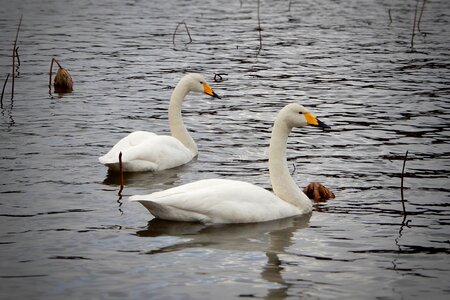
x=317, y=192
x=63, y=81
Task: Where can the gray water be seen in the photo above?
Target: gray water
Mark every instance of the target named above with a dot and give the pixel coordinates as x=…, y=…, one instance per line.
x=66, y=234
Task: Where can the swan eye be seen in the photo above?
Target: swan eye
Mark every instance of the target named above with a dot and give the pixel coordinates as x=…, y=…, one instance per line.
x=201, y=82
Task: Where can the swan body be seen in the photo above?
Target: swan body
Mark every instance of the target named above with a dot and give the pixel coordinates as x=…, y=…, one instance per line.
x=147, y=151
x=233, y=201
x=217, y=201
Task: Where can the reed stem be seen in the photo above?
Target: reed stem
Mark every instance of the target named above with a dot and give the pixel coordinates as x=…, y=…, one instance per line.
x=120, y=174
x=14, y=59
x=401, y=187
x=420, y=16
x=50, y=77
x=259, y=30
x=187, y=30
x=3, y=91
x=414, y=26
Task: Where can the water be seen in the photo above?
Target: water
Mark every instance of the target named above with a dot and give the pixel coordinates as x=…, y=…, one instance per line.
x=66, y=234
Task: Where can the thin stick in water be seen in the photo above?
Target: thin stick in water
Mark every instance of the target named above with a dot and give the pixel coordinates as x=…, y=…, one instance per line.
x=401, y=187
x=50, y=74
x=390, y=17
x=50, y=77
x=420, y=16
x=414, y=26
x=13, y=72
x=57, y=62
x=18, y=58
x=14, y=58
x=120, y=174
x=3, y=90
x=187, y=30
x=259, y=30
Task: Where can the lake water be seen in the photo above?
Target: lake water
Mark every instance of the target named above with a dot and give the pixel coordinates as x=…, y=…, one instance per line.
x=66, y=234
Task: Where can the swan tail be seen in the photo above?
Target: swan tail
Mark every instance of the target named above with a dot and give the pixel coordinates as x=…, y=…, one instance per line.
x=167, y=212
x=107, y=160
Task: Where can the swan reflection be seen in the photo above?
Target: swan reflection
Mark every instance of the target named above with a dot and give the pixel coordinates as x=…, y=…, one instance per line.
x=160, y=180
x=272, y=238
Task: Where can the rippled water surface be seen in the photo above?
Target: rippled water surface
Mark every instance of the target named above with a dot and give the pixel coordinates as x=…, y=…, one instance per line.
x=64, y=232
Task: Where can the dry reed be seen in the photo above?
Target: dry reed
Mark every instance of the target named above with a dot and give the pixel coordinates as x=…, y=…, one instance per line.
x=259, y=30
x=175, y=32
x=3, y=90
x=401, y=188
x=120, y=174
x=14, y=59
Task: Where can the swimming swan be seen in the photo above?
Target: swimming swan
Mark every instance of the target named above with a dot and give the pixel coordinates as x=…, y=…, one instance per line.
x=147, y=151
x=232, y=201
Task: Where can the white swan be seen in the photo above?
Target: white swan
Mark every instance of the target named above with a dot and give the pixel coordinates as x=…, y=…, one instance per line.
x=231, y=201
x=147, y=151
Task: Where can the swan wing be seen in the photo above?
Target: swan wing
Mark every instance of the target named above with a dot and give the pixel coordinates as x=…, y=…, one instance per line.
x=217, y=201
x=146, y=151
x=131, y=140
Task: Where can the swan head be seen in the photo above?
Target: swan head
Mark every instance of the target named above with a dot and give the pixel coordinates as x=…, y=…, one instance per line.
x=197, y=83
x=296, y=115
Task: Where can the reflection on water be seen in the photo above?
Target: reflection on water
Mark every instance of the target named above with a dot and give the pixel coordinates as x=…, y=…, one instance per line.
x=273, y=238
x=248, y=237
x=160, y=180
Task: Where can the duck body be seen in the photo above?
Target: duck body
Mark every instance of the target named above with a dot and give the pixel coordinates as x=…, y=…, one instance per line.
x=218, y=201
x=146, y=151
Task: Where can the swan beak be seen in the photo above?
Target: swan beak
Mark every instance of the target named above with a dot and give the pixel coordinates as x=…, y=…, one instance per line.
x=313, y=121
x=209, y=91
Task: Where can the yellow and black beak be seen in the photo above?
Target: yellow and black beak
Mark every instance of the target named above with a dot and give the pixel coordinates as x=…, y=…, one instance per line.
x=209, y=91
x=313, y=121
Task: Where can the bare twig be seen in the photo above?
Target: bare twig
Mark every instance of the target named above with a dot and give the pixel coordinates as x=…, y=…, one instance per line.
x=14, y=58
x=404, y=221
x=50, y=76
x=51, y=72
x=3, y=91
x=401, y=187
x=13, y=73
x=187, y=30
x=57, y=62
x=414, y=25
x=420, y=16
x=120, y=174
x=18, y=58
x=259, y=30
x=121, y=184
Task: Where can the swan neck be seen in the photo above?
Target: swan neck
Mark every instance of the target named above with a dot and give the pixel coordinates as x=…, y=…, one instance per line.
x=283, y=184
x=177, y=128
